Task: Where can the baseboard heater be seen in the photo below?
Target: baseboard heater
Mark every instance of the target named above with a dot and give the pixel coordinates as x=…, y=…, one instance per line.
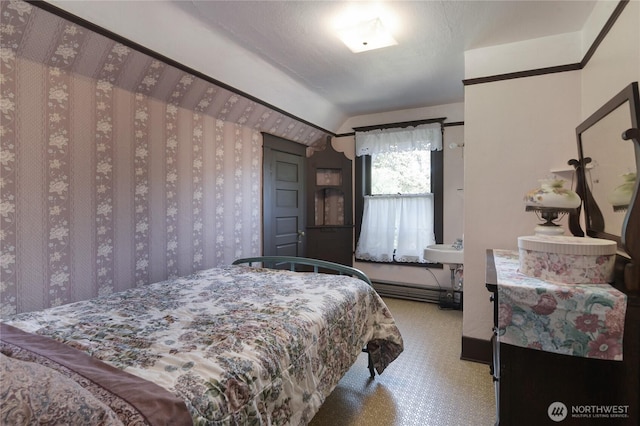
x=408, y=291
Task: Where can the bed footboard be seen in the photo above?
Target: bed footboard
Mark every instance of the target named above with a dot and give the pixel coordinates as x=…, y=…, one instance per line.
x=293, y=262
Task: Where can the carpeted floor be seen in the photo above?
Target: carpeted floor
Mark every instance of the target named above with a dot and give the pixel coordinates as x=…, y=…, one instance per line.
x=427, y=385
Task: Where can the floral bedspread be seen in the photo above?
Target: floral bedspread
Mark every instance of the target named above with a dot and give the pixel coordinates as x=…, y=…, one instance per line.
x=584, y=320
x=240, y=345
x=47, y=382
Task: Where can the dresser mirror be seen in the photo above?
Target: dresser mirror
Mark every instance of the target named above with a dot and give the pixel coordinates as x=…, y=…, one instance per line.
x=609, y=153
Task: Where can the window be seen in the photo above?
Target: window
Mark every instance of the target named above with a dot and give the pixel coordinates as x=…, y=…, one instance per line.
x=398, y=194
x=401, y=172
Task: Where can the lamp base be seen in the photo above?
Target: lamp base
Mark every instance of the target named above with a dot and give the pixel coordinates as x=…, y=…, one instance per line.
x=549, y=230
x=549, y=214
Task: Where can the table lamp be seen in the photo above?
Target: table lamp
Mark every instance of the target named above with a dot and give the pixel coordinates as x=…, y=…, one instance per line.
x=621, y=195
x=551, y=201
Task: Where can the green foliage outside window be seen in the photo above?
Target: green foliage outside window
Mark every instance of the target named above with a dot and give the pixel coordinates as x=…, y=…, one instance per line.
x=401, y=173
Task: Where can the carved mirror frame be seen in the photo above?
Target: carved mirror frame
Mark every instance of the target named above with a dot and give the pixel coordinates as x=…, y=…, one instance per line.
x=629, y=237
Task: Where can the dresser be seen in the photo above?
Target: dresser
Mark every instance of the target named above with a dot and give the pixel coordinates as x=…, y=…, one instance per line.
x=538, y=387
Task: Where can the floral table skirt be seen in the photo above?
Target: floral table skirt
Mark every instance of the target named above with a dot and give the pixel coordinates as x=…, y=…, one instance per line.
x=584, y=320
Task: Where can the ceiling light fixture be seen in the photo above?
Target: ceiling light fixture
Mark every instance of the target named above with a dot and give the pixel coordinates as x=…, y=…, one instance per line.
x=366, y=35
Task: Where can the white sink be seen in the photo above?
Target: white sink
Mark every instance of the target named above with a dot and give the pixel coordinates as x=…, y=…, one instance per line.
x=444, y=253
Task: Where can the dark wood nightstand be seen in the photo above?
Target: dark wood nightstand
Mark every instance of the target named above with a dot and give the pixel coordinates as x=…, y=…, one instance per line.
x=528, y=381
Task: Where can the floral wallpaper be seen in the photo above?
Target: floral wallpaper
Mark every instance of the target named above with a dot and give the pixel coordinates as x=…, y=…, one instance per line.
x=118, y=170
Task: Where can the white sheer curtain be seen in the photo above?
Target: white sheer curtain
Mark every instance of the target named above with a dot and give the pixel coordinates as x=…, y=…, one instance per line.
x=396, y=227
x=423, y=137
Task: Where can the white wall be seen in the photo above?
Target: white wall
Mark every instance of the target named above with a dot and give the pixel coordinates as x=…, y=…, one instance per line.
x=526, y=55
x=453, y=181
x=453, y=112
x=516, y=131
x=615, y=64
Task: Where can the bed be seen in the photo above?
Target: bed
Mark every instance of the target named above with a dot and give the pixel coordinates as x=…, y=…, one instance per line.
x=240, y=344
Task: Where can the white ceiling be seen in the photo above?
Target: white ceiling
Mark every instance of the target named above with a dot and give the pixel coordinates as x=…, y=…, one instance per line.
x=286, y=53
x=425, y=68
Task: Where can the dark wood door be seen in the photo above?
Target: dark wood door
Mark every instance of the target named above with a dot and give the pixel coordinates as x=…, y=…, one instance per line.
x=283, y=197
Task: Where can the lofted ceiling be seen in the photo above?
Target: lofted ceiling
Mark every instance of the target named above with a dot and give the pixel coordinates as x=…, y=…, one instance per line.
x=298, y=64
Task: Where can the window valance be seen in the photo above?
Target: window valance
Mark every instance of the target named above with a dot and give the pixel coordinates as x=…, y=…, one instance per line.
x=421, y=137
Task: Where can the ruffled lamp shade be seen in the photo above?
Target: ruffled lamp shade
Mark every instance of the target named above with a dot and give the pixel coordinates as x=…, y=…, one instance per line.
x=621, y=195
x=550, y=201
x=552, y=193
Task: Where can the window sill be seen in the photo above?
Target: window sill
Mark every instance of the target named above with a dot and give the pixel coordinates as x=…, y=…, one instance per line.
x=412, y=264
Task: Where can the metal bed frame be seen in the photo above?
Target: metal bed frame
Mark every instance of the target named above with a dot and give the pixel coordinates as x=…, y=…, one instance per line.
x=276, y=262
